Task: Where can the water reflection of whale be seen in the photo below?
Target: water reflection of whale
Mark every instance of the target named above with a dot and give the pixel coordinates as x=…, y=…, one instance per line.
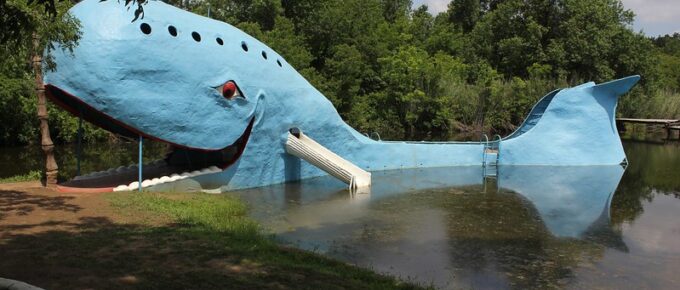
x=435, y=224
x=318, y=202
x=571, y=201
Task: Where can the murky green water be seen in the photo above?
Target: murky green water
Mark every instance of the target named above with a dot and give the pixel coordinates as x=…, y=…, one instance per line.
x=530, y=227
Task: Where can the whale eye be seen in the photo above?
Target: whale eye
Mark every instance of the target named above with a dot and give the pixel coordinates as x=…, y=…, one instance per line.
x=230, y=90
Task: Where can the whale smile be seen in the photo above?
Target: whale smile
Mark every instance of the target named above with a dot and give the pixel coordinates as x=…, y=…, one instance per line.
x=180, y=163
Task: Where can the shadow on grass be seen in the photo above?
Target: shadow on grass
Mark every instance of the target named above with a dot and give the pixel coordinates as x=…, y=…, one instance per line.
x=101, y=254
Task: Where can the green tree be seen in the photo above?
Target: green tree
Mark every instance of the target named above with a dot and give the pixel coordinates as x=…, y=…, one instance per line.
x=262, y=12
x=589, y=33
x=37, y=30
x=395, y=9
x=668, y=54
x=669, y=44
x=346, y=69
x=465, y=13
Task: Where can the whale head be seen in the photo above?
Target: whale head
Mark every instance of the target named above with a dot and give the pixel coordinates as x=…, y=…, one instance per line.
x=172, y=76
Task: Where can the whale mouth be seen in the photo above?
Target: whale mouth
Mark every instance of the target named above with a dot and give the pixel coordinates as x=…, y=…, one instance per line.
x=181, y=162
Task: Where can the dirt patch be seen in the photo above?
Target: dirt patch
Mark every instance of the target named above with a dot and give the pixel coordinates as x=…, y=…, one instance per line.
x=38, y=227
x=29, y=208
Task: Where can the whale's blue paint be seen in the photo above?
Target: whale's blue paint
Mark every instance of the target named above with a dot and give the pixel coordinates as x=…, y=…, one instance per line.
x=163, y=87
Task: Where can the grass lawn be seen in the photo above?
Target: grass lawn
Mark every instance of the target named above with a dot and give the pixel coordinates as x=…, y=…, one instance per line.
x=158, y=241
x=33, y=175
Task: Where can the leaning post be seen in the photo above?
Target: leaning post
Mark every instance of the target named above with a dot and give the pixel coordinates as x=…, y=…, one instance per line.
x=51, y=168
x=79, y=145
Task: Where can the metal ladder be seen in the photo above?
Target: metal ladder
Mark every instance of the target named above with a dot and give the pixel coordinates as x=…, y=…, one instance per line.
x=491, y=156
x=490, y=161
x=375, y=136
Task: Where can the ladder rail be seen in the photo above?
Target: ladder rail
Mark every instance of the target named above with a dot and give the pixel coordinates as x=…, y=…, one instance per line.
x=497, y=138
x=485, y=140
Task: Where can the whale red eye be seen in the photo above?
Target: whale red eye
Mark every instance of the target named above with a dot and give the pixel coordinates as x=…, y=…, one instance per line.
x=229, y=90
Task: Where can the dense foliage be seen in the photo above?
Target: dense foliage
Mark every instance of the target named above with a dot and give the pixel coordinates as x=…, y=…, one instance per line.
x=405, y=73
x=479, y=66
x=22, y=20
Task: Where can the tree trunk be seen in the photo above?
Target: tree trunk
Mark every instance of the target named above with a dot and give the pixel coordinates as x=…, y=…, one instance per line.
x=51, y=168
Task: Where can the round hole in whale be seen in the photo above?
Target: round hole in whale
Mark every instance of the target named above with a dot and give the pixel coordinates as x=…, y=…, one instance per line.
x=264, y=55
x=279, y=63
x=219, y=41
x=244, y=46
x=145, y=28
x=172, y=30
x=196, y=36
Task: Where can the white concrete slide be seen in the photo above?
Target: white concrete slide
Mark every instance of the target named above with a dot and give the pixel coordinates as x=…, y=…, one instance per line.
x=298, y=144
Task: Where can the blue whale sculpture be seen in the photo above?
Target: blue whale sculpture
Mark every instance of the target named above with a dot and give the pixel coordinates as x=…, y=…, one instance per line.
x=226, y=102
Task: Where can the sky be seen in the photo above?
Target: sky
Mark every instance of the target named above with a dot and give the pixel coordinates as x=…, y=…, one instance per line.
x=653, y=17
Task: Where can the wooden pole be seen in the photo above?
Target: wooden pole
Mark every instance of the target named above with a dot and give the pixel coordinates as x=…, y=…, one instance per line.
x=51, y=168
x=79, y=145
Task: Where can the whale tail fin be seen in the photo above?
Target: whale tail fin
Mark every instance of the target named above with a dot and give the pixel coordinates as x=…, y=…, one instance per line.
x=618, y=87
x=574, y=126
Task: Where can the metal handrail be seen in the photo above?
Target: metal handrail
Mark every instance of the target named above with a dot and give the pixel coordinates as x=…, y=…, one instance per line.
x=498, y=148
x=485, y=141
x=376, y=133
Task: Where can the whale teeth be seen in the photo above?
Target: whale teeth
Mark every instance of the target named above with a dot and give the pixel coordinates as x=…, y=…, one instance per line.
x=121, y=188
x=164, y=179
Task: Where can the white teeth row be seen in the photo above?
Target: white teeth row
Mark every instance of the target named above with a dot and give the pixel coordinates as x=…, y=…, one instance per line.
x=116, y=170
x=166, y=179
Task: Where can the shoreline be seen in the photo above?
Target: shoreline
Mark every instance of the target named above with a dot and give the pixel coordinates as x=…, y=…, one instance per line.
x=150, y=240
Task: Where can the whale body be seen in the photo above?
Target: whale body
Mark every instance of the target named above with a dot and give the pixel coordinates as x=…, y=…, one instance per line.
x=225, y=102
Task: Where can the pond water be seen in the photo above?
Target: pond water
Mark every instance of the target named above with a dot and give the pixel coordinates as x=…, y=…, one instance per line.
x=94, y=157
x=530, y=227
